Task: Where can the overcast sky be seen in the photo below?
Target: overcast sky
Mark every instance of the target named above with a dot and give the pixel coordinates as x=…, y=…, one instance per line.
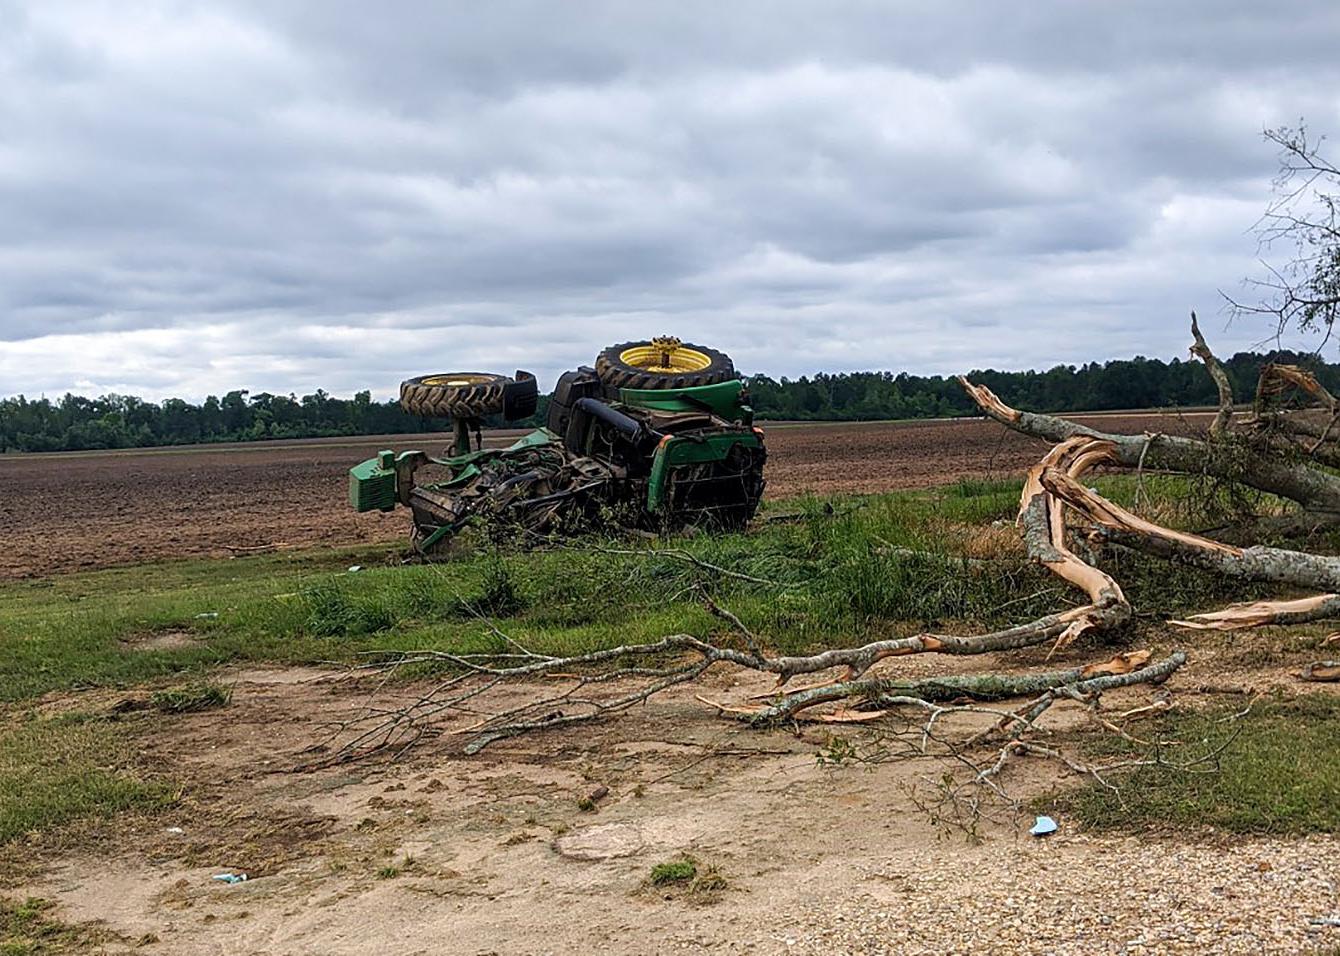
x=282, y=196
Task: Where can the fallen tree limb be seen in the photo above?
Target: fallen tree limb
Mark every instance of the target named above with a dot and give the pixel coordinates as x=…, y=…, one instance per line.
x=1319, y=607
x=1314, y=489
x=882, y=693
x=1256, y=563
x=1321, y=671
x=1277, y=565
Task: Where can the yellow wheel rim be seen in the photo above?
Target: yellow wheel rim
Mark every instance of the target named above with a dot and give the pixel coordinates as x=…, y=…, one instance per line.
x=665, y=356
x=457, y=380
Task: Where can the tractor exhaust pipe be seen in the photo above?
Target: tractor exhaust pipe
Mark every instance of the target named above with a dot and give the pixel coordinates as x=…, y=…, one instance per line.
x=630, y=428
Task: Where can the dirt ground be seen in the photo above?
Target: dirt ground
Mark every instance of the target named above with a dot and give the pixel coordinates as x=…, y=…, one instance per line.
x=77, y=511
x=442, y=853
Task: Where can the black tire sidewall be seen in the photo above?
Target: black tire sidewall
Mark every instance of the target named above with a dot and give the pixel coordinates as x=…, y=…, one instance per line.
x=454, y=401
x=615, y=373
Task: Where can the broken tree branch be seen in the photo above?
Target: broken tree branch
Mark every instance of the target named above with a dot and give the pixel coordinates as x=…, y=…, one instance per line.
x=1316, y=490
x=1221, y=382
x=1256, y=563
x=883, y=693
x=1326, y=671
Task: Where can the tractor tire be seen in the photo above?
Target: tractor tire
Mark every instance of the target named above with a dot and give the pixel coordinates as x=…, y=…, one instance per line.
x=469, y=395
x=627, y=366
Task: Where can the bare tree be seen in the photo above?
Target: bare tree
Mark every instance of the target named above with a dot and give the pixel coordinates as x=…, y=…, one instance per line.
x=1304, y=292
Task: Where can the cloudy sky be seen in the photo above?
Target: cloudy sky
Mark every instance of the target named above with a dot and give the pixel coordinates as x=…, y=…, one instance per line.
x=284, y=195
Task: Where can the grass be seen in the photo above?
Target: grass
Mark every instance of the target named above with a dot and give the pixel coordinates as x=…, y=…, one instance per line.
x=28, y=929
x=877, y=566
x=674, y=871
x=54, y=771
x=1279, y=773
x=697, y=880
x=87, y=628
x=202, y=695
x=843, y=571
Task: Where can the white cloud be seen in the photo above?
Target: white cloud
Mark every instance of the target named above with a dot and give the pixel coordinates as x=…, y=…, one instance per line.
x=199, y=197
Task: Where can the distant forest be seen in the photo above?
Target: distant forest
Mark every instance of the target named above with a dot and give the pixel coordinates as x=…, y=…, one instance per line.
x=75, y=423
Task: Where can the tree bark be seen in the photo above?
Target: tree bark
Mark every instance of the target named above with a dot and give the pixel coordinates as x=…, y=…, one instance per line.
x=880, y=693
x=1221, y=382
x=1313, y=488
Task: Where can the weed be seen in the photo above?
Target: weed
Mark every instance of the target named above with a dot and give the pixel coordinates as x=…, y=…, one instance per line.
x=499, y=597
x=700, y=881
x=681, y=870
x=332, y=611
x=708, y=880
x=204, y=695
x=836, y=752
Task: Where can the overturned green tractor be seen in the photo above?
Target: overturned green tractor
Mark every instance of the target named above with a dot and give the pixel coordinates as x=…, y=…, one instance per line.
x=657, y=435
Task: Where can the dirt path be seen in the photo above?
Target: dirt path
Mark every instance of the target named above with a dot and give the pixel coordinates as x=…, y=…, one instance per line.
x=492, y=855
x=79, y=511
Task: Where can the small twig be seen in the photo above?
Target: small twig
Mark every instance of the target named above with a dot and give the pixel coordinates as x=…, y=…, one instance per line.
x=729, y=617
x=1140, y=496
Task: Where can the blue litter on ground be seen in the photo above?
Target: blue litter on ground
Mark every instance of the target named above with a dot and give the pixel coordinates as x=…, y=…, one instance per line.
x=230, y=877
x=1044, y=826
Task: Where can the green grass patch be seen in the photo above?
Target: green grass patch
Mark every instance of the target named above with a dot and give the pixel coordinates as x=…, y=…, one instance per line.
x=55, y=771
x=674, y=871
x=88, y=629
x=842, y=570
x=687, y=875
x=201, y=695
x=28, y=928
x=1279, y=773
x=837, y=572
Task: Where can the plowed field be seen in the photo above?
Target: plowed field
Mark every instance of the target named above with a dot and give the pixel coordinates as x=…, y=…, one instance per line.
x=63, y=512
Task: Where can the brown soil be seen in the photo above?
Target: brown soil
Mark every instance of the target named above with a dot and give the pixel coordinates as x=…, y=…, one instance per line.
x=78, y=511
x=441, y=853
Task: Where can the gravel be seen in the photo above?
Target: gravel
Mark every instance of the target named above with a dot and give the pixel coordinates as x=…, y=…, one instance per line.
x=1089, y=896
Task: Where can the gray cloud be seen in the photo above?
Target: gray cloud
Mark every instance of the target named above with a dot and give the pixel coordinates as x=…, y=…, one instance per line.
x=196, y=197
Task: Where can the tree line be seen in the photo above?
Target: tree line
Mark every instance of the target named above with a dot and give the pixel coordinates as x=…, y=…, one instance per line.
x=74, y=423
x=1125, y=383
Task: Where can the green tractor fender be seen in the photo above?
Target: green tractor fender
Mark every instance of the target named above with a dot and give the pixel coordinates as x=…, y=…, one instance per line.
x=724, y=399
x=677, y=450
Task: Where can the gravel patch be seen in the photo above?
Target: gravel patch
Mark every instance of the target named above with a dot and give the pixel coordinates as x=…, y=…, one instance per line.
x=1088, y=896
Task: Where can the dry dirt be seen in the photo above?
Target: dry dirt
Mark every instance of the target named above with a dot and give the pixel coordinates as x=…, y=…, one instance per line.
x=442, y=853
x=77, y=511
